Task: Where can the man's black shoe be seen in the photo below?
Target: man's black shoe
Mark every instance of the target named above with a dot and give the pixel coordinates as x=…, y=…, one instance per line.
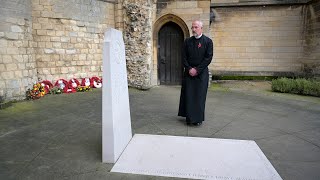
x=197, y=124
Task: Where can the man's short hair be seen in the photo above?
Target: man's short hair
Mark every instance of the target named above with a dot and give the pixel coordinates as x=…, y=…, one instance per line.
x=200, y=22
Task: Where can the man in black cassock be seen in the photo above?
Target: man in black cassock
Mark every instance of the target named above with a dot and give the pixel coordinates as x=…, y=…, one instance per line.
x=197, y=55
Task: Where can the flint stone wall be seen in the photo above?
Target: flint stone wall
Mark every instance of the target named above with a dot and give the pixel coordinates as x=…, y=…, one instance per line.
x=138, y=40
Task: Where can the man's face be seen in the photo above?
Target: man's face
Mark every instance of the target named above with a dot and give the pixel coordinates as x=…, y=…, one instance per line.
x=196, y=28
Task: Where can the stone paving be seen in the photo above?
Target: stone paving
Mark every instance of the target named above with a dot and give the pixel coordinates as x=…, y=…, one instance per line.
x=59, y=136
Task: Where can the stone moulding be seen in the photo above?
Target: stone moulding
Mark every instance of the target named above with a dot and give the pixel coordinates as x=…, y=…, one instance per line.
x=170, y=18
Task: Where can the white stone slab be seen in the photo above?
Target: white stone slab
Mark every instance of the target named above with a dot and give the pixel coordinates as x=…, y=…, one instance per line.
x=195, y=158
x=116, y=122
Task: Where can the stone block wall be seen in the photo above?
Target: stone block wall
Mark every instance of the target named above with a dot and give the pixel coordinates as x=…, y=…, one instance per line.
x=258, y=40
x=17, y=62
x=311, y=46
x=49, y=40
x=187, y=10
x=68, y=37
x=119, y=15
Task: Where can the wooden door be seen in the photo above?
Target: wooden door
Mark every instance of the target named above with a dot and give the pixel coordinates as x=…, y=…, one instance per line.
x=170, y=45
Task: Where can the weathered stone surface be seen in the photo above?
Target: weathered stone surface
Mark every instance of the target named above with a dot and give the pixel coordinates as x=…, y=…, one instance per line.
x=71, y=51
x=269, y=37
x=7, y=75
x=12, y=35
x=48, y=51
x=311, y=44
x=2, y=68
x=11, y=67
x=15, y=35
x=16, y=29
x=138, y=18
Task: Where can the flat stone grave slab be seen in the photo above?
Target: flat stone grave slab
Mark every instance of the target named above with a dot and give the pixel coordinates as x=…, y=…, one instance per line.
x=195, y=158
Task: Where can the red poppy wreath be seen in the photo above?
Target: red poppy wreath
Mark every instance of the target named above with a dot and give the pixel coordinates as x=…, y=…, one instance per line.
x=47, y=86
x=96, y=82
x=74, y=83
x=64, y=85
x=86, y=82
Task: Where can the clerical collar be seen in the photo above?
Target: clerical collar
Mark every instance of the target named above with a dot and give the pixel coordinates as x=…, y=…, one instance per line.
x=198, y=37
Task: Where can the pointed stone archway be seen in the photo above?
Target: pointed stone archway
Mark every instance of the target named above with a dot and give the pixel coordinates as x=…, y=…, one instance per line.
x=156, y=28
x=170, y=44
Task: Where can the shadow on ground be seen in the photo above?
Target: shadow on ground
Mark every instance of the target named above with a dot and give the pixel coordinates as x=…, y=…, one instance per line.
x=59, y=136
